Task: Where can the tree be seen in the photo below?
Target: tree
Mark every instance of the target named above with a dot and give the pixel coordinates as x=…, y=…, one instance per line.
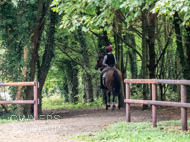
x=22, y=31
x=44, y=66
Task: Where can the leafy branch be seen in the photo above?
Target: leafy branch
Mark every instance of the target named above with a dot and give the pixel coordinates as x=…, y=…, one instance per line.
x=128, y=44
x=164, y=50
x=72, y=58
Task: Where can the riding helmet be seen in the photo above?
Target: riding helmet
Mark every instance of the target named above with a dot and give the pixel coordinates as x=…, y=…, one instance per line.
x=108, y=48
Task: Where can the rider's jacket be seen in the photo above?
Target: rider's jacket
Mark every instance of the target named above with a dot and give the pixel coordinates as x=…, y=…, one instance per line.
x=109, y=60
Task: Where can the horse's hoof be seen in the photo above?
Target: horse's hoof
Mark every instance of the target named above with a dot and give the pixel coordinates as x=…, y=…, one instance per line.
x=108, y=105
x=113, y=107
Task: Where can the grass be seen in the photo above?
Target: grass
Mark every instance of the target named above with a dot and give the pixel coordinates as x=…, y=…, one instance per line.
x=167, y=131
x=50, y=106
x=8, y=118
x=56, y=102
x=70, y=106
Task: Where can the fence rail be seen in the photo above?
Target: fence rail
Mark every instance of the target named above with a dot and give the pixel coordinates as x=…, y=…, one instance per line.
x=184, y=105
x=35, y=101
x=19, y=84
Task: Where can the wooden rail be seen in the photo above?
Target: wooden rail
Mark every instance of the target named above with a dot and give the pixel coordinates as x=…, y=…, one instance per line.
x=35, y=101
x=184, y=105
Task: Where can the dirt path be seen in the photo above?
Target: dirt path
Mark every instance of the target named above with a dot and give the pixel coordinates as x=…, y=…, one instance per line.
x=72, y=122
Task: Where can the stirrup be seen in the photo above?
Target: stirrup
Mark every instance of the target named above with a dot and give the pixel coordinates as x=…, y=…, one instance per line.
x=102, y=87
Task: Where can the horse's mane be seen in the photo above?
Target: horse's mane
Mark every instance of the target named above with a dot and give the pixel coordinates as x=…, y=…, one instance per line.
x=100, y=56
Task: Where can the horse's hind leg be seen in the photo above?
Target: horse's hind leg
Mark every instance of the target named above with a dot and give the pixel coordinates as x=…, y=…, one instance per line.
x=105, y=99
x=119, y=105
x=113, y=106
x=109, y=94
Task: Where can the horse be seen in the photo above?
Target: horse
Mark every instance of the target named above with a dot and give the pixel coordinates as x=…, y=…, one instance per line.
x=112, y=83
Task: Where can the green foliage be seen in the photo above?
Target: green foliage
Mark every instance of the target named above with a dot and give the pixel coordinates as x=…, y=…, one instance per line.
x=169, y=7
x=53, y=100
x=15, y=38
x=98, y=13
x=17, y=2
x=139, y=132
x=86, y=13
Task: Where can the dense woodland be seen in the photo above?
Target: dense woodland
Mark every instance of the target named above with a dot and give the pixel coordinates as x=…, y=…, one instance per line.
x=57, y=43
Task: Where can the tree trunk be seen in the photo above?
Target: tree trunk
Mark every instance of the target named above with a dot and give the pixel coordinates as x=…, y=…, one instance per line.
x=151, y=40
x=187, y=45
x=89, y=93
x=133, y=64
x=72, y=81
x=178, y=67
x=117, y=26
x=75, y=84
x=103, y=41
x=180, y=51
x=133, y=57
x=144, y=55
x=163, y=64
x=47, y=57
x=19, y=95
x=37, y=32
x=87, y=65
x=66, y=91
x=125, y=64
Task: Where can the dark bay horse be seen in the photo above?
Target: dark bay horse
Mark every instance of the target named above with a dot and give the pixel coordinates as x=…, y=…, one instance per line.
x=112, y=83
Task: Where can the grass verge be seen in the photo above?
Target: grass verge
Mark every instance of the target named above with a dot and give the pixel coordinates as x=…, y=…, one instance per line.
x=166, y=131
x=70, y=106
x=9, y=118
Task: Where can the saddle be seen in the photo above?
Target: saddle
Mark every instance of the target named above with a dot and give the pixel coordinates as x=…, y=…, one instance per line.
x=103, y=77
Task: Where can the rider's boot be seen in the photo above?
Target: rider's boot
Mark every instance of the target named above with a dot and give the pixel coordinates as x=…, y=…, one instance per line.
x=101, y=83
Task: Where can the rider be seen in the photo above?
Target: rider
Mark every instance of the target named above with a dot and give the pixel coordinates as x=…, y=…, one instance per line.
x=109, y=61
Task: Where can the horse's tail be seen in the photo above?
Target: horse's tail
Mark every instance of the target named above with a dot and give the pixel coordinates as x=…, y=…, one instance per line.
x=117, y=84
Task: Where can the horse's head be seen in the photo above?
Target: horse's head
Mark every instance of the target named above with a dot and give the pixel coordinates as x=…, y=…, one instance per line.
x=99, y=62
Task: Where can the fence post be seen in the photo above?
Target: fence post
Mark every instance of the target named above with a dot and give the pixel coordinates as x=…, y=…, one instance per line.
x=127, y=104
x=154, y=118
x=183, y=110
x=35, y=100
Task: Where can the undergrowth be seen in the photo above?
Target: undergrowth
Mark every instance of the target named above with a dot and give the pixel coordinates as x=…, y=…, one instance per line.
x=167, y=131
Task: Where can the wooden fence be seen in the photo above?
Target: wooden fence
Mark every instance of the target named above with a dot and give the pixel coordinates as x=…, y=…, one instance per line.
x=183, y=104
x=35, y=101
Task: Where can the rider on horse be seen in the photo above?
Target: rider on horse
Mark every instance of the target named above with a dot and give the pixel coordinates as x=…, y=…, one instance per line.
x=109, y=62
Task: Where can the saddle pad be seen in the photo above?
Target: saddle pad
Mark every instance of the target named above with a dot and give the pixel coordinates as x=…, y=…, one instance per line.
x=103, y=77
